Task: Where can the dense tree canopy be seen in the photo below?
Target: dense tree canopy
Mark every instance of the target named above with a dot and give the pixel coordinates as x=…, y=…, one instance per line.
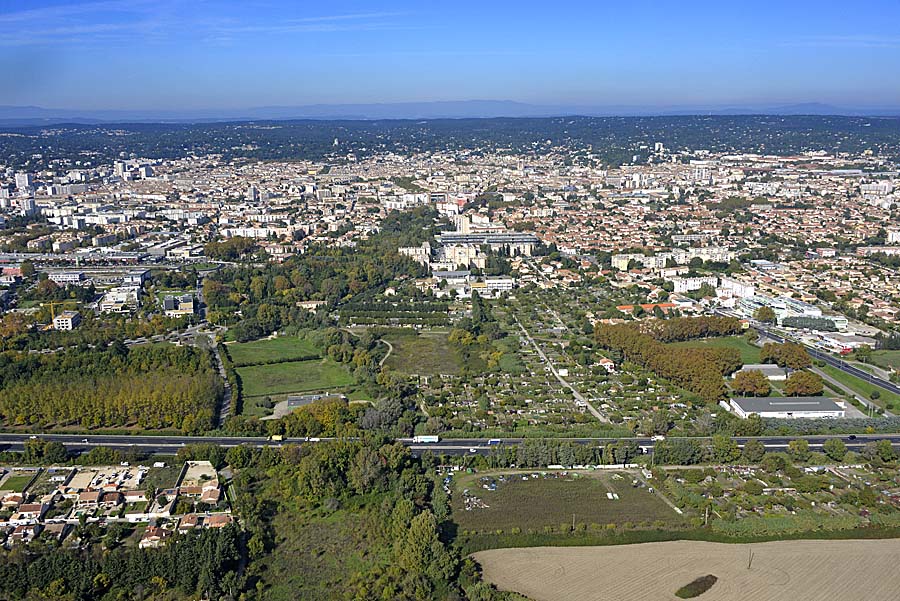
x=700, y=370
x=148, y=386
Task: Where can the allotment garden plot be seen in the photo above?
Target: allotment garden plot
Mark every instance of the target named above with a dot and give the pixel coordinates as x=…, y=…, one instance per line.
x=546, y=501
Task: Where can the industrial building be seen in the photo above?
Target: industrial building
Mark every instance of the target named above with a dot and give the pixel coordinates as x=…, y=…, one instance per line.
x=787, y=407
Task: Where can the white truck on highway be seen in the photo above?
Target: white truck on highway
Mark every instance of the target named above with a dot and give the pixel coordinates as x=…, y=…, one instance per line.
x=426, y=439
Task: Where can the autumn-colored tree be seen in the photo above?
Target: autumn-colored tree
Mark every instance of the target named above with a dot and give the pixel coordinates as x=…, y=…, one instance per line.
x=789, y=354
x=751, y=383
x=803, y=383
x=764, y=314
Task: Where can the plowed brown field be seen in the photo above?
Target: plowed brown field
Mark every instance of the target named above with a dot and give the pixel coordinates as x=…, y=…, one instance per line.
x=780, y=571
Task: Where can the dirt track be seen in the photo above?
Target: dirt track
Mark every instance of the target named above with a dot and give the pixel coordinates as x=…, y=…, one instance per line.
x=780, y=571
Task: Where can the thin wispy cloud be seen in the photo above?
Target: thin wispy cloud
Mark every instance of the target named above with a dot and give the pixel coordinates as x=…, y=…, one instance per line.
x=844, y=41
x=66, y=11
x=378, y=21
x=161, y=20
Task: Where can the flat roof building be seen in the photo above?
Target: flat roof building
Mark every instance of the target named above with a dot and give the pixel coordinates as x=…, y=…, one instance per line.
x=66, y=321
x=769, y=370
x=787, y=407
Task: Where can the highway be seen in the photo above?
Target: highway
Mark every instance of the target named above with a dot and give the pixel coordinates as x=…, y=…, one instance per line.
x=836, y=362
x=169, y=445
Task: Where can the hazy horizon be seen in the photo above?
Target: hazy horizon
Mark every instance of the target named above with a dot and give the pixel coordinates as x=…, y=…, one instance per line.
x=173, y=55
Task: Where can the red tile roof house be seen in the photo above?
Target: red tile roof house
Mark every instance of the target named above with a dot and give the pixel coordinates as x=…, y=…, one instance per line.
x=25, y=533
x=28, y=513
x=89, y=498
x=154, y=537
x=189, y=522
x=57, y=531
x=13, y=499
x=219, y=520
x=111, y=499
x=211, y=493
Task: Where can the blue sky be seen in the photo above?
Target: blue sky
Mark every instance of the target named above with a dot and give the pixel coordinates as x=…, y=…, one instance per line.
x=199, y=54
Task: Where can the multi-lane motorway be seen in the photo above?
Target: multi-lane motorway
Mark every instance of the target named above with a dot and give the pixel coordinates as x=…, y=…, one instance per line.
x=832, y=360
x=169, y=445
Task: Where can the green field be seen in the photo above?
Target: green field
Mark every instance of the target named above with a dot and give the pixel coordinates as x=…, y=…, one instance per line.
x=887, y=359
x=863, y=388
x=295, y=376
x=536, y=503
x=284, y=348
x=749, y=353
x=425, y=354
x=17, y=482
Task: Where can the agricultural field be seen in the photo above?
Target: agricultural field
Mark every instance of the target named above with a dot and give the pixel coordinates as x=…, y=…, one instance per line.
x=773, y=571
x=427, y=353
x=535, y=501
x=749, y=353
x=519, y=395
x=396, y=311
x=284, y=348
x=292, y=377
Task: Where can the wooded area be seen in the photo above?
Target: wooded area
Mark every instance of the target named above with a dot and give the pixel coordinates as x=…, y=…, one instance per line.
x=147, y=387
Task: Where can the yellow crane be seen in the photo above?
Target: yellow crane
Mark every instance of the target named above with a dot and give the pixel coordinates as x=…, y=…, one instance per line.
x=51, y=305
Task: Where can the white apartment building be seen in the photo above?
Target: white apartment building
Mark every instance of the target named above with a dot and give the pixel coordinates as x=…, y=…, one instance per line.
x=66, y=321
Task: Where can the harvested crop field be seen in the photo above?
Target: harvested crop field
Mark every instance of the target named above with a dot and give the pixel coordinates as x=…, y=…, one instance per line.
x=780, y=571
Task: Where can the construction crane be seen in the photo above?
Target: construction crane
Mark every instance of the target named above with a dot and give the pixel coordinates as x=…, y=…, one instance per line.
x=51, y=305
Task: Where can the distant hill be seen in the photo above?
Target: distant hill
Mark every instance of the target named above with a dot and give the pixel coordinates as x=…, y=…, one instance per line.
x=455, y=109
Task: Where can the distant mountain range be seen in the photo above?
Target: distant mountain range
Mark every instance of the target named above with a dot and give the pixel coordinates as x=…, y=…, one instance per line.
x=33, y=115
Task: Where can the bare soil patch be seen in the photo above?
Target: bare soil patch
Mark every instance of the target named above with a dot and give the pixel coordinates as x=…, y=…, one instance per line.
x=779, y=571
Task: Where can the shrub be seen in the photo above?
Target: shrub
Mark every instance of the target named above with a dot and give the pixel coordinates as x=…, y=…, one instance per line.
x=696, y=587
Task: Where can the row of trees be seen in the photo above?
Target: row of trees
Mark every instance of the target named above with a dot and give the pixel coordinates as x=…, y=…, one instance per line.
x=699, y=370
x=544, y=452
x=722, y=449
x=148, y=386
x=692, y=328
x=822, y=324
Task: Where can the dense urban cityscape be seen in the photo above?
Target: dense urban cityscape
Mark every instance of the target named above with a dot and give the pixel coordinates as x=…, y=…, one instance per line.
x=489, y=309
x=478, y=301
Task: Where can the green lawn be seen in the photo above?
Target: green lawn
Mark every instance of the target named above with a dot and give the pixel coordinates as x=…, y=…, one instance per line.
x=536, y=503
x=887, y=359
x=267, y=351
x=295, y=376
x=17, y=482
x=862, y=387
x=425, y=354
x=749, y=353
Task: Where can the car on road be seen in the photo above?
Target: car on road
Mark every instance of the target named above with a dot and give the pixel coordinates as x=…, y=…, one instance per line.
x=851, y=437
x=473, y=450
x=84, y=440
